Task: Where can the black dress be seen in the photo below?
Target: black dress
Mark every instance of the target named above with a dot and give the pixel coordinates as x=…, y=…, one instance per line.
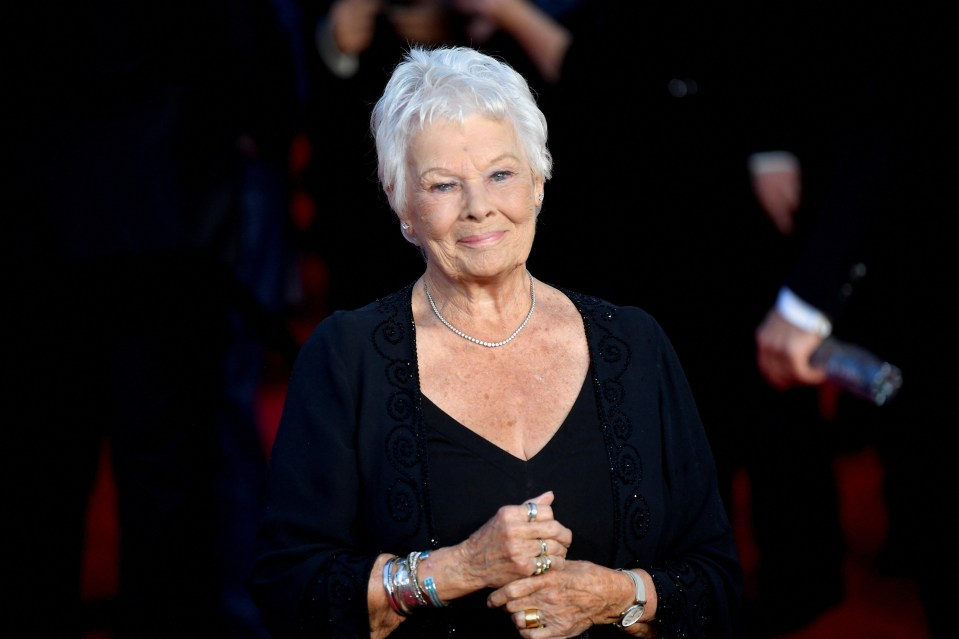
x=475, y=472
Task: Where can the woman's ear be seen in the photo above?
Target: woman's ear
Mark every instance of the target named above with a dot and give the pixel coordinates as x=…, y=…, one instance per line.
x=539, y=189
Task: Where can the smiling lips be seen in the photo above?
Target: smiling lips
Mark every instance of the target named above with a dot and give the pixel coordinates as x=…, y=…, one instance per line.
x=483, y=238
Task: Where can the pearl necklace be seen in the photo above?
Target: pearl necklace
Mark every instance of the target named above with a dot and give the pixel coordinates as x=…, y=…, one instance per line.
x=532, y=295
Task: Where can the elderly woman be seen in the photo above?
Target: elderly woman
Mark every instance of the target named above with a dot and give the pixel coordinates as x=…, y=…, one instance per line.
x=481, y=454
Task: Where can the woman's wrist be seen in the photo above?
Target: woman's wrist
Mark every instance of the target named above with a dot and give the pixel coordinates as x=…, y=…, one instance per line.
x=407, y=589
x=620, y=596
x=382, y=617
x=450, y=573
x=633, y=598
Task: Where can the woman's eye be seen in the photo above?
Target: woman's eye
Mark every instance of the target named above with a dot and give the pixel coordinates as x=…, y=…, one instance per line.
x=443, y=188
x=499, y=176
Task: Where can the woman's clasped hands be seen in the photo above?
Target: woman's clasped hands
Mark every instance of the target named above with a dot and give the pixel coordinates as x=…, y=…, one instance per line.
x=522, y=553
x=519, y=541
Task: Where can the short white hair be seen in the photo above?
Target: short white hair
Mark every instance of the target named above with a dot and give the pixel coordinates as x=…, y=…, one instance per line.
x=451, y=84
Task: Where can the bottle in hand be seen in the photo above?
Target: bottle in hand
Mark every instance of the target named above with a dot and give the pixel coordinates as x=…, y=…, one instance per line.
x=858, y=371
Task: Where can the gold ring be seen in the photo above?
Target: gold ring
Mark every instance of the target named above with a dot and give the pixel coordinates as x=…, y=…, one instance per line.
x=543, y=564
x=542, y=547
x=532, y=618
x=530, y=511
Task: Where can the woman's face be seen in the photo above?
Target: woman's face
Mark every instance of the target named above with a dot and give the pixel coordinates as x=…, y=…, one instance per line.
x=473, y=198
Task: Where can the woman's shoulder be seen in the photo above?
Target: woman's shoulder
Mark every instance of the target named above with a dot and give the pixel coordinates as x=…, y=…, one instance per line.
x=633, y=327
x=610, y=313
x=343, y=327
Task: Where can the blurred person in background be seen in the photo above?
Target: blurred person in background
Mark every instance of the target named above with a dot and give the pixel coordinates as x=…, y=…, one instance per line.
x=121, y=246
x=870, y=222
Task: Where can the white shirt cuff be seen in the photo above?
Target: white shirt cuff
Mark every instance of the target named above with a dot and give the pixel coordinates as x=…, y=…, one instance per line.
x=802, y=315
x=343, y=65
x=770, y=161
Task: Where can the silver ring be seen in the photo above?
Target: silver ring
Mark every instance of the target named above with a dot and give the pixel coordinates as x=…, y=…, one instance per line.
x=530, y=511
x=542, y=548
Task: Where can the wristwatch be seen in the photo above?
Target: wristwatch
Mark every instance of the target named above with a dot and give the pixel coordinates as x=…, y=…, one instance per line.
x=632, y=614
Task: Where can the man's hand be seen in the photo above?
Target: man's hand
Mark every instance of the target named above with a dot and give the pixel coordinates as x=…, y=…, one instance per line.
x=783, y=352
x=779, y=193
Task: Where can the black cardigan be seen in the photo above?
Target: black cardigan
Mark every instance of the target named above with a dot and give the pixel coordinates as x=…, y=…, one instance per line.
x=350, y=475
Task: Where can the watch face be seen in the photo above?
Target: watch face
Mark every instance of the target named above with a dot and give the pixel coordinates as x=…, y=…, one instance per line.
x=632, y=615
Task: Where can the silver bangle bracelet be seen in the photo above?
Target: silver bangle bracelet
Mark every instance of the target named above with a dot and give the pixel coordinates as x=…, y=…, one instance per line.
x=414, y=560
x=403, y=589
x=388, y=585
